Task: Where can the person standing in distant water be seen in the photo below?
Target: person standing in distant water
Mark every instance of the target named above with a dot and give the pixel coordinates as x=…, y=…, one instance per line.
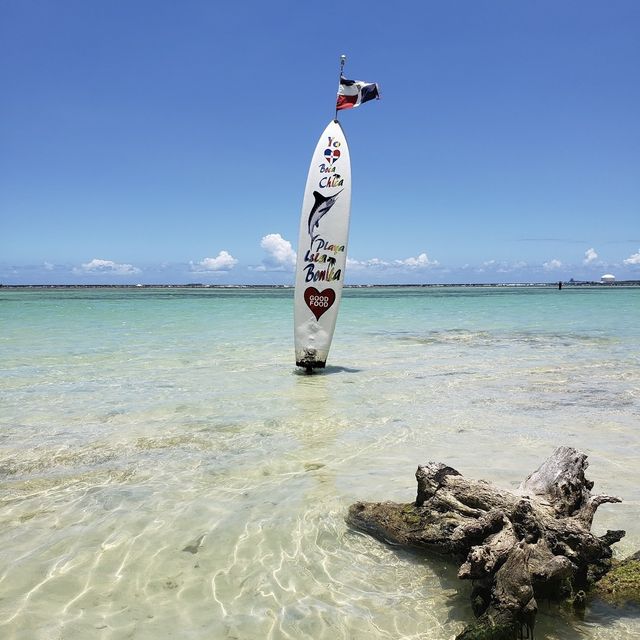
x=560, y=284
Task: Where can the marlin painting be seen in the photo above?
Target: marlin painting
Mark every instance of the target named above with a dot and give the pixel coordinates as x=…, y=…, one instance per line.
x=320, y=208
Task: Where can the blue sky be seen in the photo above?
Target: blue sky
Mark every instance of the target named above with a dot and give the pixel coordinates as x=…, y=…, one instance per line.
x=156, y=141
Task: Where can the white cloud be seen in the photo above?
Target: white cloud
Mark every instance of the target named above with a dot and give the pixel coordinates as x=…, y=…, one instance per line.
x=280, y=254
x=420, y=262
x=590, y=256
x=496, y=266
x=633, y=258
x=98, y=266
x=372, y=263
x=224, y=261
x=552, y=264
x=487, y=265
x=49, y=266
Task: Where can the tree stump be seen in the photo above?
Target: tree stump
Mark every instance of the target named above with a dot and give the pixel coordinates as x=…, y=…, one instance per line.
x=514, y=547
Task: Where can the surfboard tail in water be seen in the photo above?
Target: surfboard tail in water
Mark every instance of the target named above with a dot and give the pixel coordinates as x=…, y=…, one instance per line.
x=322, y=248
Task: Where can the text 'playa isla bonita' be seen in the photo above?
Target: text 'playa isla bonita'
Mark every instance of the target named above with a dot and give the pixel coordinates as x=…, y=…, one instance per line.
x=319, y=253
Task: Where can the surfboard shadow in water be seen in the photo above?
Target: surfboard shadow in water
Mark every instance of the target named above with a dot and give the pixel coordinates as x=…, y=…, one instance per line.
x=327, y=370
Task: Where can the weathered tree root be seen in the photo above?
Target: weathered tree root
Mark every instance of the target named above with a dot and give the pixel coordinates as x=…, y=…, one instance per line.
x=515, y=547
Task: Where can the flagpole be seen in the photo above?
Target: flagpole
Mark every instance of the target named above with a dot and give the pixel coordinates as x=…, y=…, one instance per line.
x=343, y=59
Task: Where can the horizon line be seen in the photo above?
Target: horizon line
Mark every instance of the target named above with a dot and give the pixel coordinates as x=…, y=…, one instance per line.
x=198, y=285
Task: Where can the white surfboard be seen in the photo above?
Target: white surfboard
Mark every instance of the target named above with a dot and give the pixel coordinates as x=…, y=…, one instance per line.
x=322, y=248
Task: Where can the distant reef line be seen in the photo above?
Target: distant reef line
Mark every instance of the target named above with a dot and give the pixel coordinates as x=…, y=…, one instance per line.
x=568, y=284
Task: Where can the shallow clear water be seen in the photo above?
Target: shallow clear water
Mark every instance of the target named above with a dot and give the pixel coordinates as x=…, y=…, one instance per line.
x=165, y=472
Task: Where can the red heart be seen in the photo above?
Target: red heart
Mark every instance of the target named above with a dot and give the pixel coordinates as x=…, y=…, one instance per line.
x=319, y=301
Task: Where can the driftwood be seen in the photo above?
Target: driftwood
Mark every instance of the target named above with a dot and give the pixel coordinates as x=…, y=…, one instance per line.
x=515, y=547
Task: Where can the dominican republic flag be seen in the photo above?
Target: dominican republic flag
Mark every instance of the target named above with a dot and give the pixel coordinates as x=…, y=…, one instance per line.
x=353, y=93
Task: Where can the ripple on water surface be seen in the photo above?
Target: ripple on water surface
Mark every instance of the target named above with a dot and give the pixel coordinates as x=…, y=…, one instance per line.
x=164, y=472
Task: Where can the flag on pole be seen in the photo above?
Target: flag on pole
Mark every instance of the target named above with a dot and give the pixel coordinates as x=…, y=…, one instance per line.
x=353, y=93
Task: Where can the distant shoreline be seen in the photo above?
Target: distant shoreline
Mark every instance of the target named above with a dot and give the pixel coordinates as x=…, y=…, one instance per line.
x=622, y=283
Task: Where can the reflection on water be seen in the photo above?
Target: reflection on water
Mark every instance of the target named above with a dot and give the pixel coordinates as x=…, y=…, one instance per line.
x=165, y=471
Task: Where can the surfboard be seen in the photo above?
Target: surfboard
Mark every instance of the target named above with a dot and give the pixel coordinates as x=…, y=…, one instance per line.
x=322, y=248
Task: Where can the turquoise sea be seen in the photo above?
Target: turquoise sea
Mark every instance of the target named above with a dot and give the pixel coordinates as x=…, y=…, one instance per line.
x=165, y=472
